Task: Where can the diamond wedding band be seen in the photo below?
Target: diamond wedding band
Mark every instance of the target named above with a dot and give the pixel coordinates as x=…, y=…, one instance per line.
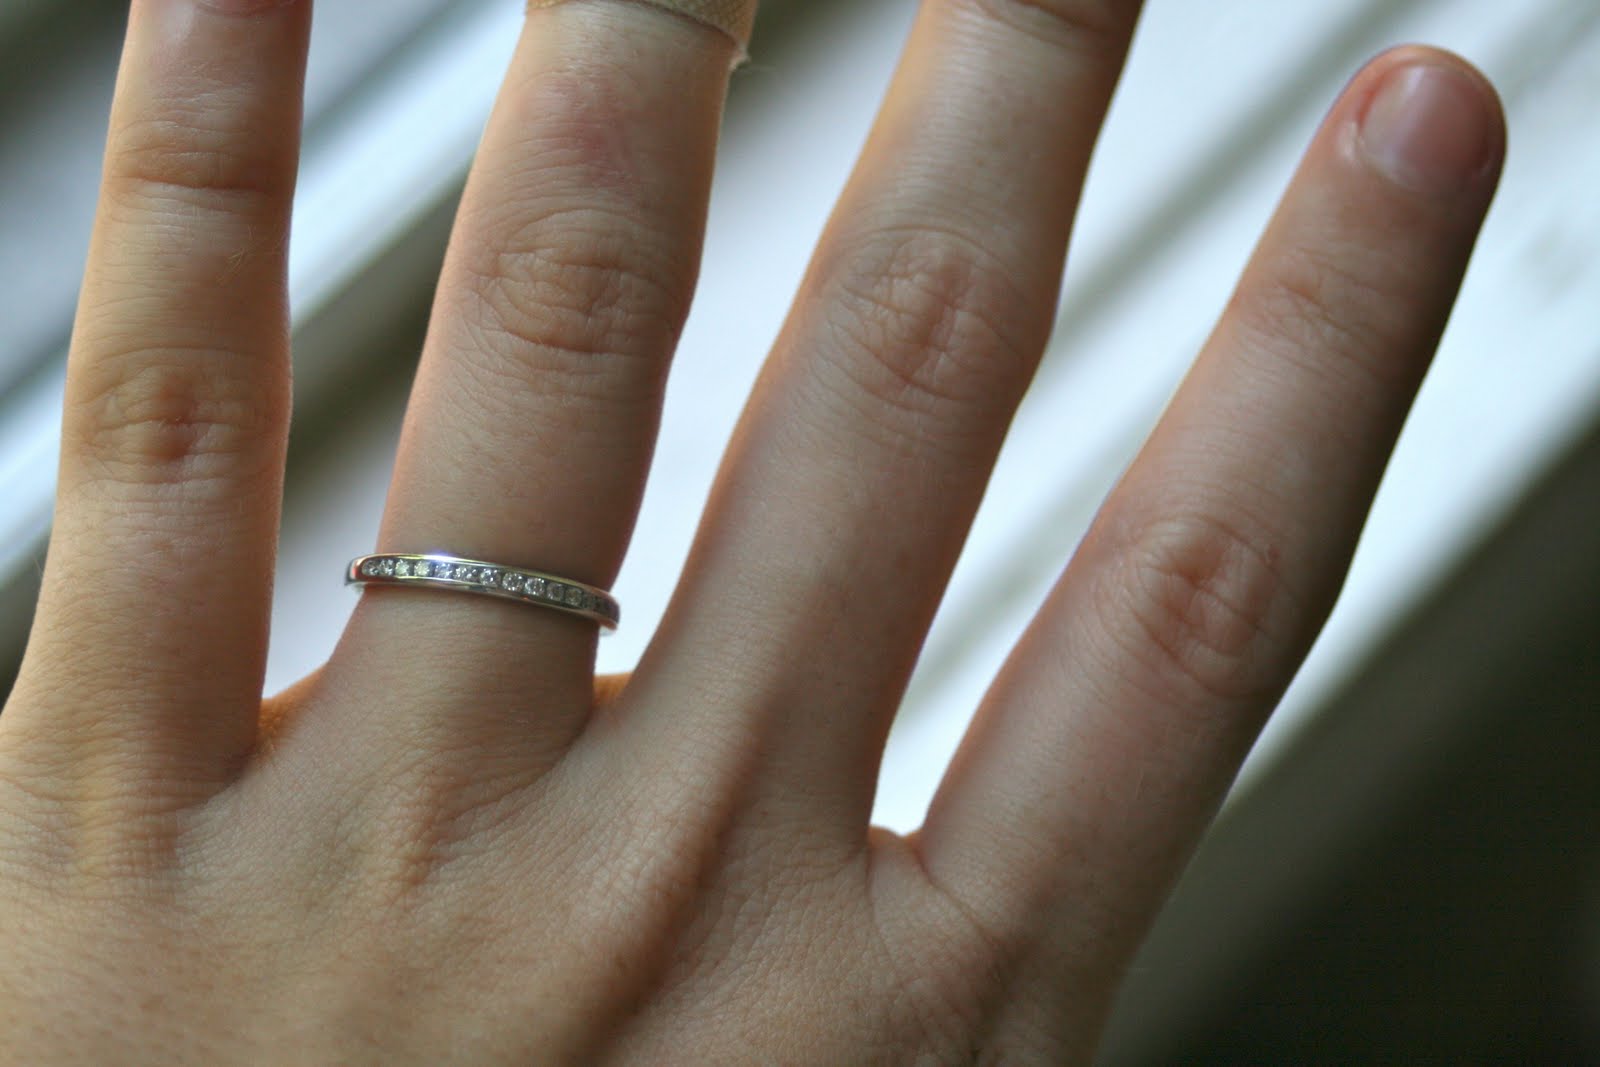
x=487, y=579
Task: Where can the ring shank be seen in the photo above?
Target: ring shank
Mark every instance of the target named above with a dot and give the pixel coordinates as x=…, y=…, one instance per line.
x=486, y=579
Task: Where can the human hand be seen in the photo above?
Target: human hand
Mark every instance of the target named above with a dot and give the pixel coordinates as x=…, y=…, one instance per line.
x=451, y=844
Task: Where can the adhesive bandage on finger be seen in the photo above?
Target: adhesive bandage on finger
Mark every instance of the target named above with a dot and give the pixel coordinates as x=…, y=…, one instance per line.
x=735, y=18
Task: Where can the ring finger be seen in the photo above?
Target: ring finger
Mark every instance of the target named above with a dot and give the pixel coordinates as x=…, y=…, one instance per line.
x=535, y=407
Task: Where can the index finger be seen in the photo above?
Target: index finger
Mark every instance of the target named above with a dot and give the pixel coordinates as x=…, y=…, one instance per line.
x=1119, y=722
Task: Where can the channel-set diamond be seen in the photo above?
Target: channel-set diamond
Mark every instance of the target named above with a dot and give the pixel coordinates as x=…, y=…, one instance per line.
x=497, y=580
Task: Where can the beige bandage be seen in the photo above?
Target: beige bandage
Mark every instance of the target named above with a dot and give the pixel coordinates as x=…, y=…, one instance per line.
x=733, y=17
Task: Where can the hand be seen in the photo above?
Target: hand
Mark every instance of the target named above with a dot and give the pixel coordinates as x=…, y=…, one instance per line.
x=452, y=845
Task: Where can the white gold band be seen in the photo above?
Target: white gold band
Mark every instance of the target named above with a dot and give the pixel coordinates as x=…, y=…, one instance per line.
x=487, y=579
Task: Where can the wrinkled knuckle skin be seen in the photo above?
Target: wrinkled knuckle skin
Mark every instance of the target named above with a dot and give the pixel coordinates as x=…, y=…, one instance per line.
x=34, y=841
x=85, y=841
x=928, y=332
x=1203, y=608
x=184, y=160
x=169, y=416
x=1325, y=312
x=585, y=301
x=946, y=987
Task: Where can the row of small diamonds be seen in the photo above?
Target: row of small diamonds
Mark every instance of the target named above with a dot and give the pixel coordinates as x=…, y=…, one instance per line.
x=535, y=586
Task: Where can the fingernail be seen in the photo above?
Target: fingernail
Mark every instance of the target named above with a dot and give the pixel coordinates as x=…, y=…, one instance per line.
x=1428, y=128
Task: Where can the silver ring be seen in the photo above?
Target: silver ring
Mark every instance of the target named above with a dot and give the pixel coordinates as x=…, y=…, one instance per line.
x=489, y=579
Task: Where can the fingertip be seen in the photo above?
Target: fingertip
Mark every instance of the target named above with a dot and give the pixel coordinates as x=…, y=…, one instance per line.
x=1428, y=122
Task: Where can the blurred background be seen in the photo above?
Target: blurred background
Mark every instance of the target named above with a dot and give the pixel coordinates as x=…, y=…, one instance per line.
x=1409, y=868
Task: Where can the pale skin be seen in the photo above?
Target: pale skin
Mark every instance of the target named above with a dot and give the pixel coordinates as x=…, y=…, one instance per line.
x=457, y=859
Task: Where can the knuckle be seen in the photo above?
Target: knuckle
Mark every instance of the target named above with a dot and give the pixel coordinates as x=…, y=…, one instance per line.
x=948, y=977
x=171, y=415
x=1313, y=304
x=581, y=299
x=1202, y=605
x=35, y=834
x=114, y=827
x=927, y=325
x=196, y=163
